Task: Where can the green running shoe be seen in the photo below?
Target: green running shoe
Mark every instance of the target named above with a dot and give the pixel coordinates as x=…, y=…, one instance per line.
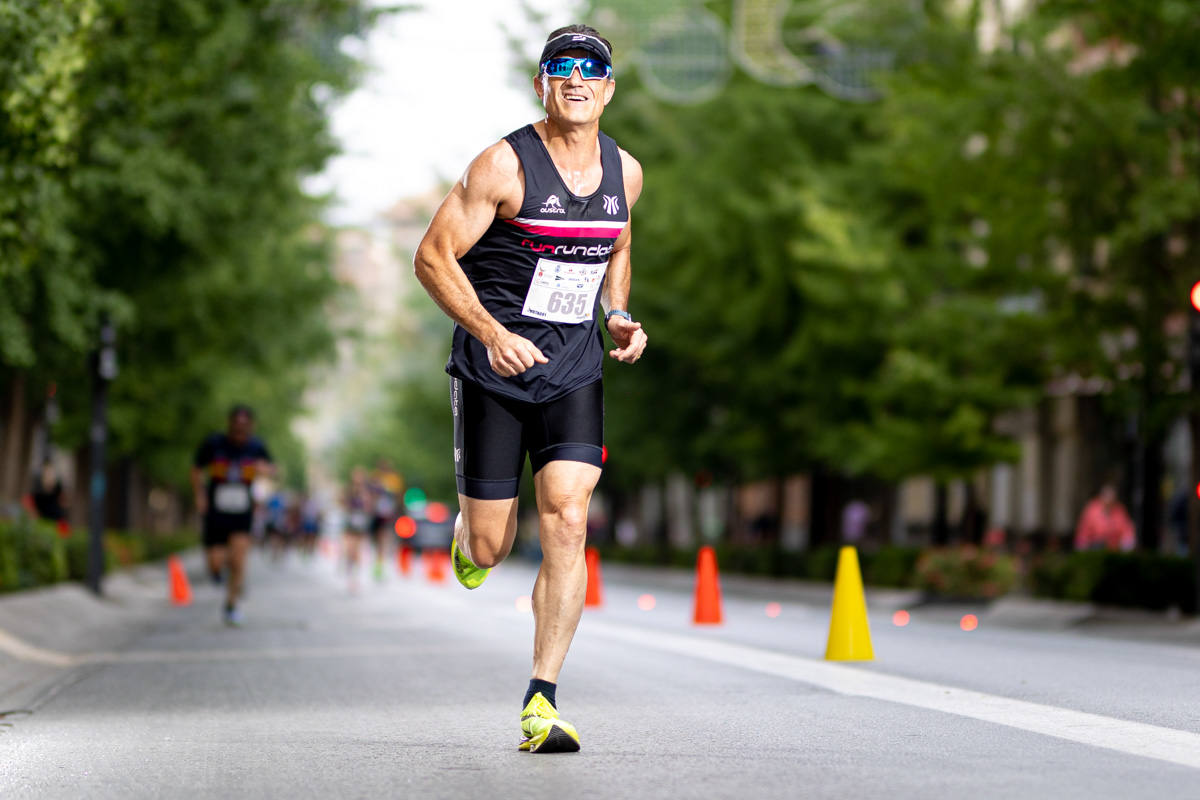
x=467, y=573
x=544, y=731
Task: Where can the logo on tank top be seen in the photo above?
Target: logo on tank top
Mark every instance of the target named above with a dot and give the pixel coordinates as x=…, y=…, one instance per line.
x=610, y=204
x=551, y=205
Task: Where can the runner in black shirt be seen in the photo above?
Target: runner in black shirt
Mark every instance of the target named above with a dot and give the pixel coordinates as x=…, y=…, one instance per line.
x=222, y=472
x=521, y=254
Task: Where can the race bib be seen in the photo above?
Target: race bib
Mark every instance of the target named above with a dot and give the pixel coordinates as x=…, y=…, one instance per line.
x=561, y=292
x=231, y=498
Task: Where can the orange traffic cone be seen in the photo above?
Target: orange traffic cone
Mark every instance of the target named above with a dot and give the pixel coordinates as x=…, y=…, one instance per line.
x=181, y=590
x=435, y=565
x=708, y=589
x=404, y=560
x=595, y=584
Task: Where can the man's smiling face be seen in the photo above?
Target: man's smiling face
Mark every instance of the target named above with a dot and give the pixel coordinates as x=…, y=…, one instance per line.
x=573, y=100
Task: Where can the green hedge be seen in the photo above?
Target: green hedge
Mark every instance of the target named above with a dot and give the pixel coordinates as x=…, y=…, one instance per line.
x=965, y=571
x=1135, y=580
x=32, y=553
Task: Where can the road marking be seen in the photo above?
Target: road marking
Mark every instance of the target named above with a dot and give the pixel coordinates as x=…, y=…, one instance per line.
x=23, y=651
x=262, y=654
x=1134, y=738
x=27, y=652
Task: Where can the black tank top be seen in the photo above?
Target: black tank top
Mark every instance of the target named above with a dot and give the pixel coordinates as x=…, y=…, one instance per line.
x=540, y=274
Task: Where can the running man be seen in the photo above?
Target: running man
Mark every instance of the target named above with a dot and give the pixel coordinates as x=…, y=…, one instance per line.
x=521, y=252
x=222, y=472
x=357, y=502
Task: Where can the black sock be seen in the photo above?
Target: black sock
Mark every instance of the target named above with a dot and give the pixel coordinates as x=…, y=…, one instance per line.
x=545, y=687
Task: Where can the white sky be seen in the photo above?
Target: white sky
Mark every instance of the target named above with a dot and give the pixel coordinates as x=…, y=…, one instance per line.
x=441, y=88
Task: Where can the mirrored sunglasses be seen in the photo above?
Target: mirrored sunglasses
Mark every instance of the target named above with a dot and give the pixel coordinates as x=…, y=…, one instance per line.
x=590, y=69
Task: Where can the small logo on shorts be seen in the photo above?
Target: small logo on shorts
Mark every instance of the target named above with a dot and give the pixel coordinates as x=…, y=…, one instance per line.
x=610, y=204
x=551, y=205
x=457, y=454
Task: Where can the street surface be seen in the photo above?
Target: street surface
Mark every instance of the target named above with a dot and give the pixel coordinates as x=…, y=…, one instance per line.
x=412, y=689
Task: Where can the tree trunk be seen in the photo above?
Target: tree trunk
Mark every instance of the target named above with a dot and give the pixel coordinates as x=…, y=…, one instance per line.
x=1150, y=521
x=820, y=530
x=13, y=478
x=971, y=527
x=941, y=522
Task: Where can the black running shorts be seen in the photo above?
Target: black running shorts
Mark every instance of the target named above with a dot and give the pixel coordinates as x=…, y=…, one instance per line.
x=219, y=527
x=493, y=433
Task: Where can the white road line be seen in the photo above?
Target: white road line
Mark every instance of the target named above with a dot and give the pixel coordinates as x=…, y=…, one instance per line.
x=24, y=651
x=262, y=654
x=1134, y=738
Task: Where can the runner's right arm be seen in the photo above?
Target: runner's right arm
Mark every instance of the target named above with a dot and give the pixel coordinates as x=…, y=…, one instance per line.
x=491, y=183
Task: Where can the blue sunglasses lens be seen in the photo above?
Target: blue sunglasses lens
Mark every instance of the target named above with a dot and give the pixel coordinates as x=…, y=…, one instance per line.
x=563, y=66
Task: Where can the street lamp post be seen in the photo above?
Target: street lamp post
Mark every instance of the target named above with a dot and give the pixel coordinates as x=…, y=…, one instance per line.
x=1193, y=359
x=104, y=363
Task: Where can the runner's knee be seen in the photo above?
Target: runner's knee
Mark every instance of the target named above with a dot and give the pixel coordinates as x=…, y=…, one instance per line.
x=564, y=524
x=487, y=547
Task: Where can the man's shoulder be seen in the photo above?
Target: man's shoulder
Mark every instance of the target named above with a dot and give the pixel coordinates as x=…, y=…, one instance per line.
x=494, y=175
x=631, y=168
x=629, y=163
x=498, y=160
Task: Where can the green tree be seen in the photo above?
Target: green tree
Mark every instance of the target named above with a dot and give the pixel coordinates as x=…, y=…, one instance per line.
x=1072, y=147
x=200, y=119
x=44, y=289
x=803, y=299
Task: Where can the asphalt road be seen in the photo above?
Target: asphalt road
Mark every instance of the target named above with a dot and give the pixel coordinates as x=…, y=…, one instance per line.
x=412, y=689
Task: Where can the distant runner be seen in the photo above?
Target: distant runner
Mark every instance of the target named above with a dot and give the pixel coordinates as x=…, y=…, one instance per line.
x=386, y=488
x=522, y=252
x=357, y=503
x=222, y=472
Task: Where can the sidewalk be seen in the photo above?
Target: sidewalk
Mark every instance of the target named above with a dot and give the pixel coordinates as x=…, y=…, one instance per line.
x=41, y=630
x=1012, y=611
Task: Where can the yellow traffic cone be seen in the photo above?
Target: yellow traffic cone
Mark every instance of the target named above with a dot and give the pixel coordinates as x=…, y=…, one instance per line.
x=849, y=634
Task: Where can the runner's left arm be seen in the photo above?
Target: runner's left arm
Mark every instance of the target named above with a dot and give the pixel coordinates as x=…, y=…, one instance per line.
x=629, y=338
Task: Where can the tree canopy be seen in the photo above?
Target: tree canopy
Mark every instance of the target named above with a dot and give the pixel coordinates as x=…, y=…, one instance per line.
x=158, y=148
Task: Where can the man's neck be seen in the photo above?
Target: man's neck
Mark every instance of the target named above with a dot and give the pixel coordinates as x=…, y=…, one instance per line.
x=572, y=145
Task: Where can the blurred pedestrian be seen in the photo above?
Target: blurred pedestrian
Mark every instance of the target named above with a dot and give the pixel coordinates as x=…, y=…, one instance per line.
x=275, y=523
x=521, y=255
x=386, y=488
x=48, y=495
x=1105, y=524
x=855, y=518
x=357, y=502
x=223, y=470
x=310, y=524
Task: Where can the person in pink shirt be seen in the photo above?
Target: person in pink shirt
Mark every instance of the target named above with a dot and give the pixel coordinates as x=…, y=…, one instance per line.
x=1105, y=524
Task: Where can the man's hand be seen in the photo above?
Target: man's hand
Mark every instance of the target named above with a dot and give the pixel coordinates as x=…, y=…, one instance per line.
x=629, y=338
x=510, y=354
x=202, y=504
